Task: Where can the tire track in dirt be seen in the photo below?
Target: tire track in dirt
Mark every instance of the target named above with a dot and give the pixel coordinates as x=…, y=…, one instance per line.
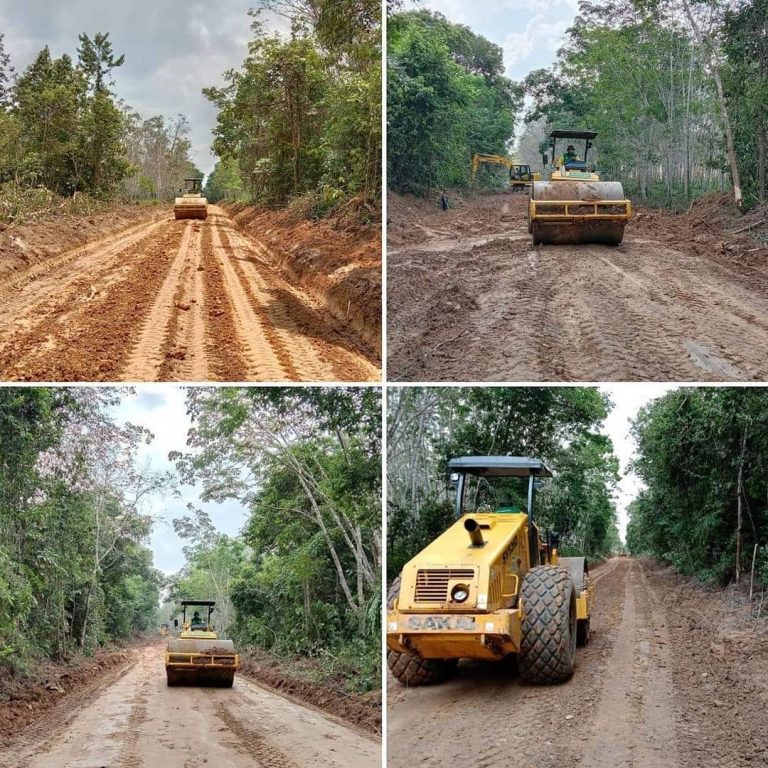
x=300, y=353
x=494, y=305
x=226, y=360
x=185, y=350
x=634, y=726
x=254, y=740
x=326, y=346
x=147, y=357
x=90, y=339
x=260, y=354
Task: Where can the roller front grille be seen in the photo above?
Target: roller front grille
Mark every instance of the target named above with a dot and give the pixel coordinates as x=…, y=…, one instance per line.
x=432, y=583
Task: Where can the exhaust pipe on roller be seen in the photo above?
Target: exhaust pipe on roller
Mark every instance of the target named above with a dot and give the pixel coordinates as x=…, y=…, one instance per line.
x=473, y=529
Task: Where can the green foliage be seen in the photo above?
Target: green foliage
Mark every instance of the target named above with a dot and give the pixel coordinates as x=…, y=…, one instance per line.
x=428, y=426
x=642, y=84
x=224, y=182
x=73, y=569
x=303, y=115
x=703, y=456
x=447, y=98
x=63, y=131
x=304, y=578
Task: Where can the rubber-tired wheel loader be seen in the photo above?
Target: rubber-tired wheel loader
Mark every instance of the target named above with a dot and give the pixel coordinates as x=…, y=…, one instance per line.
x=575, y=206
x=490, y=585
x=198, y=656
x=520, y=176
x=192, y=204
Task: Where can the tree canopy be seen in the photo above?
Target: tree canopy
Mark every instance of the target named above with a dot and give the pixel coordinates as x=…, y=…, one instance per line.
x=447, y=98
x=74, y=568
x=702, y=456
x=300, y=121
x=304, y=577
x=63, y=128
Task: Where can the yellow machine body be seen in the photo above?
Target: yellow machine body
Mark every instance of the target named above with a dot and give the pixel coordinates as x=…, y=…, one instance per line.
x=520, y=176
x=424, y=618
x=575, y=206
x=192, y=204
x=198, y=656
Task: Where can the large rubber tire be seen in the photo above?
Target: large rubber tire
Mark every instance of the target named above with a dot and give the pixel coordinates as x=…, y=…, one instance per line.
x=410, y=669
x=548, y=645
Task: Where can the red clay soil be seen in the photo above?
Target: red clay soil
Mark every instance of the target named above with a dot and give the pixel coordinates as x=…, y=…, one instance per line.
x=27, y=244
x=337, y=260
x=24, y=700
x=361, y=710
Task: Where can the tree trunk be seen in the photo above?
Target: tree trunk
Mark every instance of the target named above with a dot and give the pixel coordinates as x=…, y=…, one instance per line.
x=729, y=145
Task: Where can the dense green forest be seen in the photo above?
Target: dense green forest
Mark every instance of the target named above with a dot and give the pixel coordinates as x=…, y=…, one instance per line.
x=64, y=133
x=74, y=568
x=304, y=578
x=300, y=122
x=447, y=97
x=677, y=91
x=426, y=426
x=703, y=457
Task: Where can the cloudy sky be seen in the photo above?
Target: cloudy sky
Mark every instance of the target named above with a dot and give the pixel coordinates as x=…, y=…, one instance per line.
x=161, y=409
x=173, y=49
x=529, y=31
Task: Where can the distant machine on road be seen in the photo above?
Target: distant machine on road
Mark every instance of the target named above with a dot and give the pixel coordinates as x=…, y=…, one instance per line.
x=520, y=176
x=192, y=204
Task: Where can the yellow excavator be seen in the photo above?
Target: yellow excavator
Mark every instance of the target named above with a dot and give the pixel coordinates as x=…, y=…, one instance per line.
x=491, y=585
x=198, y=656
x=575, y=206
x=520, y=176
x=192, y=204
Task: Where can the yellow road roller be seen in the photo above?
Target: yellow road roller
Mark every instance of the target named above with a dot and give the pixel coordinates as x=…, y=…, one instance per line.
x=198, y=656
x=575, y=206
x=491, y=585
x=192, y=204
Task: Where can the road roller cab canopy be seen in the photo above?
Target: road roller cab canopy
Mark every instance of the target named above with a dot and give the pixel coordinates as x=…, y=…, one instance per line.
x=495, y=488
x=585, y=136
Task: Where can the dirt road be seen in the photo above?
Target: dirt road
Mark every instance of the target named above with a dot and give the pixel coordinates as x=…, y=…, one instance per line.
x=674, y=677
x=171, y=300
x=135, y=721
x=467, y=292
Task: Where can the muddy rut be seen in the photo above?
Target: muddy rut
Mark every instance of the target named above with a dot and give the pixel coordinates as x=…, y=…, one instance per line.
x=135, y=721
x=648, y=692
x=172, y=300
x=470, y=293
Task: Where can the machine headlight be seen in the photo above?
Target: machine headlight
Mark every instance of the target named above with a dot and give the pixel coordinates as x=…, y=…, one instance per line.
x=460, y=593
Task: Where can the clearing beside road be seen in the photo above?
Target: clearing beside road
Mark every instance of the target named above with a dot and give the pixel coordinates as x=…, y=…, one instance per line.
x=679, y=300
